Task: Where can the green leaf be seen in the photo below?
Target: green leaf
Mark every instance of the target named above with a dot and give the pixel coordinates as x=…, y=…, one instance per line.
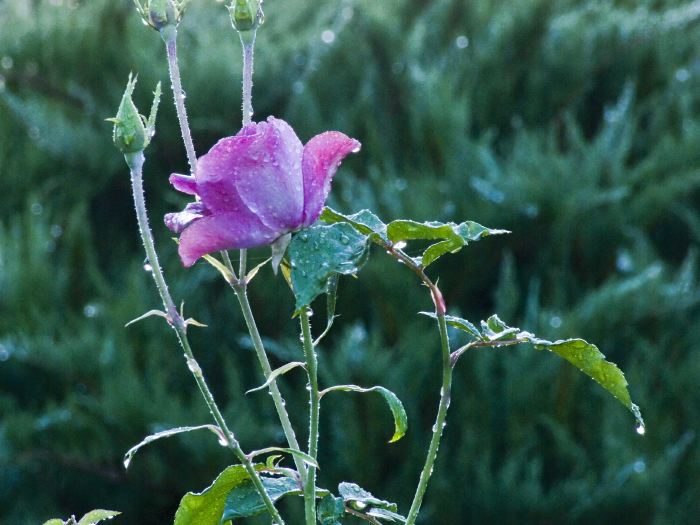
x=298, y=453
x=95, y=516
x=459, y=323
x=384, y=514
x=395, y=405
x=276, y=373
x=171, y=432
x=243, y=500
x=320, y=251
x=360, y=500
x=330, y=510
x=55, y=521
x=364, y=221
x=582, y=354
x=452, y=236
x=591, y=361
x=207, y=507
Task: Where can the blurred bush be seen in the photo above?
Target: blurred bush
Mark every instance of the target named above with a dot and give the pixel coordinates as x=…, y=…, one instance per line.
x=573, y=124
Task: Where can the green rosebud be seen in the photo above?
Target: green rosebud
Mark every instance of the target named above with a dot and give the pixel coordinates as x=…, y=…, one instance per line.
x=132, y=131
x=160, y=14
x=246, y=15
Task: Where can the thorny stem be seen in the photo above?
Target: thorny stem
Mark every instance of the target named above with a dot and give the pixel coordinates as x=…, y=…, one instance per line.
x=169, y=35
x=239, y=287
x=248, y=44
x=445, y=392
x=135, y=162
x=446, y=387
x=315, y=406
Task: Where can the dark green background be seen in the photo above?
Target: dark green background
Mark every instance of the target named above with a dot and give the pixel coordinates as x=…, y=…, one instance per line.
x=574, y=124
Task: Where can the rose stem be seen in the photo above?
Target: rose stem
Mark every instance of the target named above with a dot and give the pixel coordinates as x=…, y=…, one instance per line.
x=135, y=162
x=240, y=285
x=315, y=406
x=169, y=35
x=446, y=388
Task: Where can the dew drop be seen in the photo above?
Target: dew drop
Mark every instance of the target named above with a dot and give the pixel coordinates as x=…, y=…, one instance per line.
x=127, y=462
x=641, y=429
x=147, y=267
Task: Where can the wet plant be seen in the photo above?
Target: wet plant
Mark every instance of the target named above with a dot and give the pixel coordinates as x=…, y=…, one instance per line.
x=261, y=187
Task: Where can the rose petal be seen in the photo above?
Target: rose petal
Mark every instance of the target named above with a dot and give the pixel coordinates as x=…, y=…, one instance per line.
x=184, y=183
x=259, y=169
x=321, y=158
x=222, y=232
x=177, y=222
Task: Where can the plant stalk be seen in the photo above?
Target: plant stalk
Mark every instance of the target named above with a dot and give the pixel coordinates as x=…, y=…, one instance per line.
x=135, y=162
x=445, y=393
x=240, y=289
x=315, y=407
x=248, y=44
x=169, y=35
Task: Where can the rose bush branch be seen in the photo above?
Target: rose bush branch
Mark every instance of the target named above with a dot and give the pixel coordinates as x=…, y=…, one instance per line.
x=314, y=408
x=132, y=135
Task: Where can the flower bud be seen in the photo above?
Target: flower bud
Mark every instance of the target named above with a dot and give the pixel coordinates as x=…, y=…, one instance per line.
x=132, y=132
x=246, y=15
x=160, y=14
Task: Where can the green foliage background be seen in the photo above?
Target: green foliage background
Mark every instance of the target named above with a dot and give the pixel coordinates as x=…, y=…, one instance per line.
x=574, y=124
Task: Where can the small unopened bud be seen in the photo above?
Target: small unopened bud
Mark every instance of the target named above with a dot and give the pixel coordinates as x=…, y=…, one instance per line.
x=132, y=132
x=160, y=14
x=246, y=15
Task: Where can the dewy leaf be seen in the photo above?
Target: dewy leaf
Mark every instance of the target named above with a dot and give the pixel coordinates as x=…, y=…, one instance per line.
x=171, y=432
x=591, y=361
x=384, y=514
x=320, y=251
x=459, y=323
x=95, y=516
x=395, y=405
x=452, y=237
x=54, y=521
x=298, y=453
x=207, y=507
x=243, y=500
x=364, y=221
x=276, y=373
x=360, y=500
x=330, y=510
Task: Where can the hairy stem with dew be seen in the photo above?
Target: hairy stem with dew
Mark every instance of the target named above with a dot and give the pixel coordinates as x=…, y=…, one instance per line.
x=315, y=406
x=135, y=162
x=169, y=35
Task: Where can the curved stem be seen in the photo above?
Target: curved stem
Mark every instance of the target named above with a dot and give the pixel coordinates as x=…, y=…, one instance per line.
x=445, y=393
x=135, y=162
x=240, y=289
x=169, y=35
x=315, y=406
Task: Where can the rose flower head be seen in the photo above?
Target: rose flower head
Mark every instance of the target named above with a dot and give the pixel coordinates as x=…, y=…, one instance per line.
x=254, y=187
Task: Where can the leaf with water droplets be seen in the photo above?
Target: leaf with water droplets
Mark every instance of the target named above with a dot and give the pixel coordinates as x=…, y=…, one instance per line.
x=452, y=237
x=320, y=251
x=171, y=432
x=97, y=515
x=207, y=507
x=361, y=500
x=298, y=453
x=330, y=510
x=395, y=405
x=591, y=361
x=244, y=501
x=364, y=221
